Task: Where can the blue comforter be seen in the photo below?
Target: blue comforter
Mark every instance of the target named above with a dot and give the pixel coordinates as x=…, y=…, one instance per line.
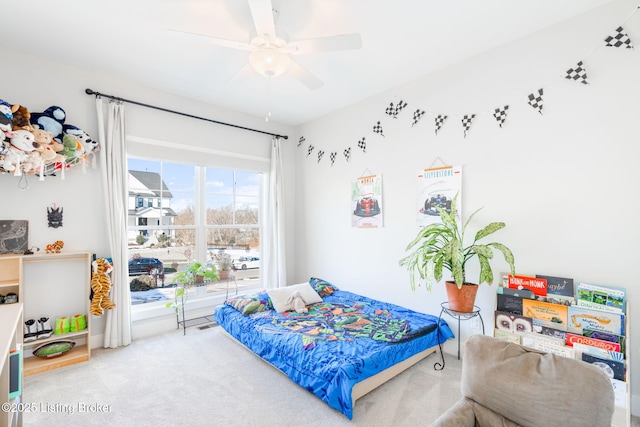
x=340, y=342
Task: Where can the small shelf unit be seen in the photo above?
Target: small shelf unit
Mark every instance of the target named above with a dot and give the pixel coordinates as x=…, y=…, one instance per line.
x=30, y=277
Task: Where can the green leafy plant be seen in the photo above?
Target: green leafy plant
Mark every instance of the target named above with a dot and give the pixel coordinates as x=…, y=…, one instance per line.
x=193, y=273
x=224, y=262
x=441, y=246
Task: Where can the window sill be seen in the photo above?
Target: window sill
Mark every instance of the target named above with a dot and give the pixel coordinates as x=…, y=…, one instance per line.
x=157, y=309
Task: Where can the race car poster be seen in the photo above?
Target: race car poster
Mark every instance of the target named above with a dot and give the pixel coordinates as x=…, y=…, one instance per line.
x=366, y=196
x=436, y=188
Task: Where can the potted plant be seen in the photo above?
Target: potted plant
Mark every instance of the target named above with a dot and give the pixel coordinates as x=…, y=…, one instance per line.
x=442, y=246
x=194, y=273
x=224, y=265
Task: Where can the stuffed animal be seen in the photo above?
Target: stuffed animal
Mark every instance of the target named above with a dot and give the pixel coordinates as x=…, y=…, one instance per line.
x=52, y=119
x=21, y=117
x=297, y=302
x=6, y=117
x=55, y=247
x=5, y=109
x=88, y=144
x=44, y=137
x=19, y=148
x=100, y=287
x=71, y=145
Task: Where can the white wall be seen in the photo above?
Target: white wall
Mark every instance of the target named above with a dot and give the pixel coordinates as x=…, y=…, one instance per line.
x=38, y=84
x=564, y=182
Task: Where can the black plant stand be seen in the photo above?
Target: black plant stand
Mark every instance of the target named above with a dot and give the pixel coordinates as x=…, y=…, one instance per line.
x=459, y=315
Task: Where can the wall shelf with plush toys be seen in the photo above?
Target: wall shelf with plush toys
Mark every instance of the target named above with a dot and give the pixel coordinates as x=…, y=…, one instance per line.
x=42, y=143
x=29, y=277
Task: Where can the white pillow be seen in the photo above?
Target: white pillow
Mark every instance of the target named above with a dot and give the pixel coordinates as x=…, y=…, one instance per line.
x=281, y=297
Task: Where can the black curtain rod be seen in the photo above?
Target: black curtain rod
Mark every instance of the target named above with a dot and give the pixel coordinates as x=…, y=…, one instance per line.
x=92, y=92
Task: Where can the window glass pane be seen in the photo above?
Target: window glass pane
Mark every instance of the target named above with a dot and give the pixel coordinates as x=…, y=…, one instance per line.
x=165, y=227
x=219, y=181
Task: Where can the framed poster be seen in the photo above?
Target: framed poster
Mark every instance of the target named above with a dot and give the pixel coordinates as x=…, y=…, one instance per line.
x=436, y=188
x=366, y=202
x=14, y=236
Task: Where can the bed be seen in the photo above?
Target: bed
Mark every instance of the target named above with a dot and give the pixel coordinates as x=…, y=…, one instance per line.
x=343, y=347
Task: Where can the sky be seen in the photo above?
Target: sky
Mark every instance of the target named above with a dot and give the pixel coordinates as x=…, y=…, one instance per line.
x=180, y=179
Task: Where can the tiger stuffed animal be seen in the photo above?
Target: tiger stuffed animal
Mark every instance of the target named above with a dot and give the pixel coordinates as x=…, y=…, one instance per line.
x=101, y=286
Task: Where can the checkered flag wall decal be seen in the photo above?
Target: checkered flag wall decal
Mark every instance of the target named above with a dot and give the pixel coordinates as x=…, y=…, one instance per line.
x=439, y=122
x=417, y=115
x=300, y=141
x=393, y=111
x=578, y=73
x=401, y=105
x=501, y=114
x=466, y=122
x=310, y=150
x=332, y=157
x=320, y=154
x=347, y=153
x=390, y=110
x=362, y=144
x=535, y=100
x=377, y=128
x=619, y=39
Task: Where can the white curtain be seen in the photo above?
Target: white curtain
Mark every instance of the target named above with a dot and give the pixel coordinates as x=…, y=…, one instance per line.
x=274, y=275
x=113, y=162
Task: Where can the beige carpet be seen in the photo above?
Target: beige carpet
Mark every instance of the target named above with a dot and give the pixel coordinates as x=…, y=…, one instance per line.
x=206, y=379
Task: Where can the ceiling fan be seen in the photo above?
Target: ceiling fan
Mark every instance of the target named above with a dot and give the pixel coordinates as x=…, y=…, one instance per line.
x=271, y=49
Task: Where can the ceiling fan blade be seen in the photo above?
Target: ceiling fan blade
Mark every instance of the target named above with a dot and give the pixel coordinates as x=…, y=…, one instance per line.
x=325, y=44
x=213, y=40
x=262, y=13
x=308, y=79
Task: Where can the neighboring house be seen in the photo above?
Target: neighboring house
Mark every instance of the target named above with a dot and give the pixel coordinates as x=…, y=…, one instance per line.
x=149, y=205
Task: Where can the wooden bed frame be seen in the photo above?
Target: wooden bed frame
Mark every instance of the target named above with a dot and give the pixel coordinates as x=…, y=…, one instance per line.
x=368, y=384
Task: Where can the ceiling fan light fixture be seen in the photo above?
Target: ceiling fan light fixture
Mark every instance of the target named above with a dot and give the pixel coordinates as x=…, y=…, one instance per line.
x=269, y=62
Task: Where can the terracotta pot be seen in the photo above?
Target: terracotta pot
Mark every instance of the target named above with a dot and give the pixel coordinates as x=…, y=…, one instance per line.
x=223, y=274
x=462, y=299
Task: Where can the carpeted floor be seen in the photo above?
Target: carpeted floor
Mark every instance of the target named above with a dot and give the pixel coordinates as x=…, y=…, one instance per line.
x=206, y=379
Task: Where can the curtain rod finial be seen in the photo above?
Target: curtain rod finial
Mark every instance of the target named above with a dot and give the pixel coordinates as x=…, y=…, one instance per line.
x=89, y=91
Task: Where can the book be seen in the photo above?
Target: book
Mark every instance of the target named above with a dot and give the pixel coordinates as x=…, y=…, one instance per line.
x=506, y=336
x=605, y=298
x=522, y=293
x=509, y=303
x=550, y=315
x=594, y=320
x=560, y=299
x=533, y=336
x=559, y=286
x=612, y=368
x=552, y=332
x=620, y=339
x=619, y=392
x=513, y=323
x=596, y=351
x=536, y=285
x=581, y=339
x=547, y=344
x=538, y=324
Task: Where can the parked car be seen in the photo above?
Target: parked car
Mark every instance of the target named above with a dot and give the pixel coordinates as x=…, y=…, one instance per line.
x=245, y=262
x=138, y=266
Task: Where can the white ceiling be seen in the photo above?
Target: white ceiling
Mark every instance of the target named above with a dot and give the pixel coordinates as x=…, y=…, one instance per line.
x=402, y=40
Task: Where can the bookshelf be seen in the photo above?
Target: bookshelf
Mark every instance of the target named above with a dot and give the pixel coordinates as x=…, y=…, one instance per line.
x=564, y=327
x=36, y=281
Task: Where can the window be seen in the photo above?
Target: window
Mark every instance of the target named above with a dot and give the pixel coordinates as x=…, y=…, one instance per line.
x=200, y=214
